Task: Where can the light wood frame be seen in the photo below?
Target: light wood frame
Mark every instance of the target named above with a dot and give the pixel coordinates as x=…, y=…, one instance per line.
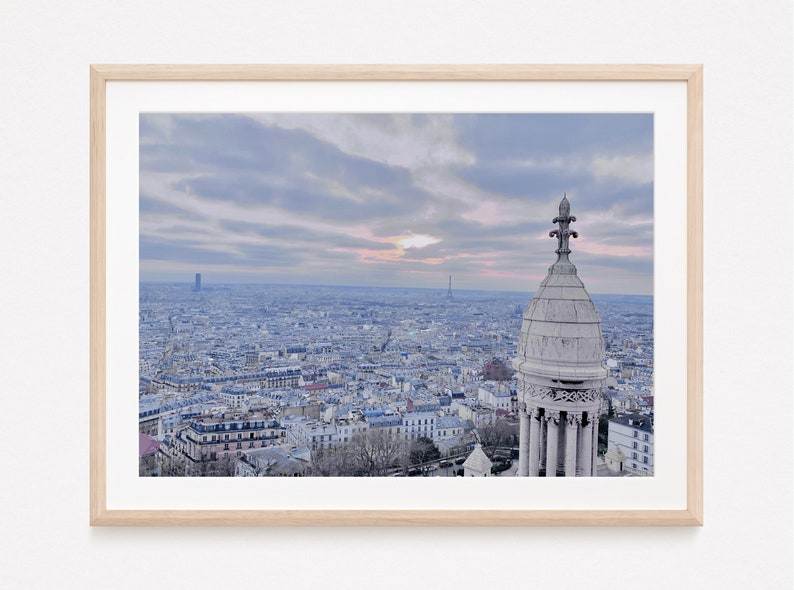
x=692, y=75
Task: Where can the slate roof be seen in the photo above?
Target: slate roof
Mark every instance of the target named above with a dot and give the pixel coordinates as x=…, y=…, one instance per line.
x=147, y=446
x=638, y=421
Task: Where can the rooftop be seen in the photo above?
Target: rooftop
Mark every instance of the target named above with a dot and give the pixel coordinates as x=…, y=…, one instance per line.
x=638, y=421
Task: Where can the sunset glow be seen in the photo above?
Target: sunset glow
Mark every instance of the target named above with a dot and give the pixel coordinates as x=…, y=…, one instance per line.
x=416, y=241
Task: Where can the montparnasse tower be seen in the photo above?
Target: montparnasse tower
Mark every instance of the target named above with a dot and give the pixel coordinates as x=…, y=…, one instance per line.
x=560, y=369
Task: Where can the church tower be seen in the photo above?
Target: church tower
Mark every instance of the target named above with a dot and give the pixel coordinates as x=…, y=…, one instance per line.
x=560, y=369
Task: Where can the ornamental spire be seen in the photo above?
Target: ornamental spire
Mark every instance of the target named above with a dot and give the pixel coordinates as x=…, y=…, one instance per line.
x=563, y=233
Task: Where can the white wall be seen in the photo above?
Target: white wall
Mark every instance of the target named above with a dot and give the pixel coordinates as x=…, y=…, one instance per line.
x=45, y=49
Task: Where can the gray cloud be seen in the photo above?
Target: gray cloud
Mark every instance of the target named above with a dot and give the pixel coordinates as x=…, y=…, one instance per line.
x=233, y=158
x=317, y=198
x=299, y=235
x=148, y=206
x=508, y=137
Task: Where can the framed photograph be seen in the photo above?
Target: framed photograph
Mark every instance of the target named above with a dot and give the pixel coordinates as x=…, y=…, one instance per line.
x=396, y=295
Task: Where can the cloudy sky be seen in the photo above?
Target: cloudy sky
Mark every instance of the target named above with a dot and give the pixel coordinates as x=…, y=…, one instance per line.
x=395, y=200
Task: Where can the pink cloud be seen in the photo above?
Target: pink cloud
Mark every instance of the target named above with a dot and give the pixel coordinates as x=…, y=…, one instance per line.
x=605, y=249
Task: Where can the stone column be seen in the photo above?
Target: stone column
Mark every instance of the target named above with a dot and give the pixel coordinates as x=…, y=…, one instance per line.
x=586, y=457
x=523, y=443
x=571, y=425
x=595, y=444
x=544, y=432
x=561, y=446
x=534, y=442
x=552, y=440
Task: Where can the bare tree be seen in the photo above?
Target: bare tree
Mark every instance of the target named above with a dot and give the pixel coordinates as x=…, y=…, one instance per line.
x=388, y=450
x=375, y=452
x=223, y=467
x=147, y=466
x=370, y=453
x=497, y=433
x=423, y=451
x=336, y=461
x=168, y=466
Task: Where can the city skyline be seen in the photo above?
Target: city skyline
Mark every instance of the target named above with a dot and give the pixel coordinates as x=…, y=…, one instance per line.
x=268, y=381
x=395, y=200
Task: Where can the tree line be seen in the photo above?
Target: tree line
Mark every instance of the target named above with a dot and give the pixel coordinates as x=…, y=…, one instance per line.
x=369, y=453
x=374, y=453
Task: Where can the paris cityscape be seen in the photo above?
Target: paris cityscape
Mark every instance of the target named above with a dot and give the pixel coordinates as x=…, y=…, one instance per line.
x=242, y=372
x=326, y=295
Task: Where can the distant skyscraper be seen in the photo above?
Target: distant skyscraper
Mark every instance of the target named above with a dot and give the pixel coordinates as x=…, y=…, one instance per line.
x=560, y=367
x=449, y=291
x=197, y=288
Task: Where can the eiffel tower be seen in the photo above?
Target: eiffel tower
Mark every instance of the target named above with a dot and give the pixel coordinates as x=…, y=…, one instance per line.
x=449, y=291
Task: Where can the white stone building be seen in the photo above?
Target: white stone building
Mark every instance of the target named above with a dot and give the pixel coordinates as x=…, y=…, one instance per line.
x=497, y=397
x=478, y=415
x=477, y=464
x=615, y=460
x=235, y=397
x=311, y=434
x=632, y=434
x=347, y=428
x=449, y=426
x=419, y=424
x=560, y=370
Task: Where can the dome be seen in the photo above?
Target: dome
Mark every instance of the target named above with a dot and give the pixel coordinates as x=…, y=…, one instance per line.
x=560, y=344
x=561, y=336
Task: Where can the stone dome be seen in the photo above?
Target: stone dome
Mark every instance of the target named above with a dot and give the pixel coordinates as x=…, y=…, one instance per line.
x=561, y=336
x=560, y=344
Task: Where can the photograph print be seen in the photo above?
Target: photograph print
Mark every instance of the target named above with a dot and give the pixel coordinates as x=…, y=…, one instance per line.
x=396, y=295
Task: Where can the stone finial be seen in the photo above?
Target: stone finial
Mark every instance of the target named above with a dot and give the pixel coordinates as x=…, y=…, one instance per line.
x=562, y=234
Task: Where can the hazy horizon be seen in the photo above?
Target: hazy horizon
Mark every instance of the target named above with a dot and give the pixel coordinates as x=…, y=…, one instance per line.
x=208, y=285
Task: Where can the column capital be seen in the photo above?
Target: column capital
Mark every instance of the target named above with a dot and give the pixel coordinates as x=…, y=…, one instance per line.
x=553, y=416
x=573, y=419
